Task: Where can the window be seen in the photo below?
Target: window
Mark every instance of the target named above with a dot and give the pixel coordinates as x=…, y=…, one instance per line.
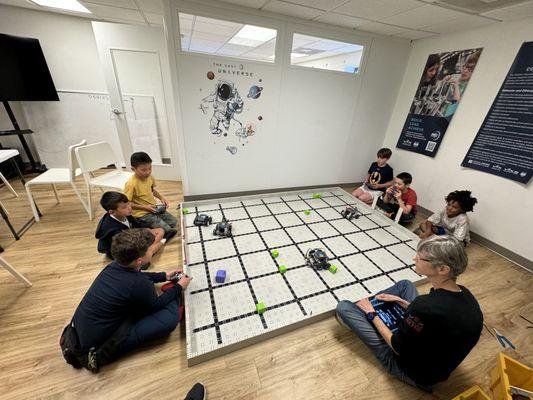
x=332, y=55
x=225, y=38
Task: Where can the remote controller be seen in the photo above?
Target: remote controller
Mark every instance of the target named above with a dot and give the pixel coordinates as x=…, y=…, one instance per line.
x=177, y=276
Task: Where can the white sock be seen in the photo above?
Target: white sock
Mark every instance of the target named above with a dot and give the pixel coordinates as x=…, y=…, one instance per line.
x=163, y=240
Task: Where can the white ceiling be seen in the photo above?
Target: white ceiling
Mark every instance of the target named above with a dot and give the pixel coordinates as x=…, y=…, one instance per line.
x=411, y=19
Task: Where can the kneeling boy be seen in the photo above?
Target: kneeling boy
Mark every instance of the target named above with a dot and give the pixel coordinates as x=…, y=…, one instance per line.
x=400, y=198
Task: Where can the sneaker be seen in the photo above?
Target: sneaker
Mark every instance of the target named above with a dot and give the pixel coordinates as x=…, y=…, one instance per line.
x=170, y=234
x=92, y=360
x=197, y=392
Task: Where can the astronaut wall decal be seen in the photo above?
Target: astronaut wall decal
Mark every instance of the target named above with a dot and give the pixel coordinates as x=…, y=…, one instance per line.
x=226, y=102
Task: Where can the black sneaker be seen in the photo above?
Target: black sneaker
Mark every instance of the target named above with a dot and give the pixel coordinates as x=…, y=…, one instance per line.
x=170, y=234
x=197, y=392
x=92, y=360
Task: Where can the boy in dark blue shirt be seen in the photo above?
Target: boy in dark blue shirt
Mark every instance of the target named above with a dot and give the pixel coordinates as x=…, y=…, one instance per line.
x=117, y=219
x=121, y=309
x=379, y=177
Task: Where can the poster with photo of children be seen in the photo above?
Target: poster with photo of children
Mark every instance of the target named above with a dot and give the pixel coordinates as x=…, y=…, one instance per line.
x=441, y=88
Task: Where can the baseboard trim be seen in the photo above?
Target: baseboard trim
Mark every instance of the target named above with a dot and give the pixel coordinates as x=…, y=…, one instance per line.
x=253, y=192
x=490, y=245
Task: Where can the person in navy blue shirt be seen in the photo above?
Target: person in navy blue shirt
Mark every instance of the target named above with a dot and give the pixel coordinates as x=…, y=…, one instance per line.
x=379, y=177
x=121, y=309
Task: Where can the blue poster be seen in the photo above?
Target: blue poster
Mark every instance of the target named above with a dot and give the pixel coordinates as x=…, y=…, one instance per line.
x=504, y=143
x=442, y=85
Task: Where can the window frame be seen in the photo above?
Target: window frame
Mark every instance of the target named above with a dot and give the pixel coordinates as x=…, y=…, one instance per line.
x=237, y=19
x=340, y=38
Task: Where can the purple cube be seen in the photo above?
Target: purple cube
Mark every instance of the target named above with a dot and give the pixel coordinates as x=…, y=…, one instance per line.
x=221, y=276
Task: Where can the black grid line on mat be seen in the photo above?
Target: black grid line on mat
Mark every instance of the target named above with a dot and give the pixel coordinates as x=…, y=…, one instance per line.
x=246, y=277
x=211, y=294
x=275, y=262
x=304, y=297
x=296, y=299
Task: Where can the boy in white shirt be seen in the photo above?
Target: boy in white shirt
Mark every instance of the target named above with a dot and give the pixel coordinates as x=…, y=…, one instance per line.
x=452, y=220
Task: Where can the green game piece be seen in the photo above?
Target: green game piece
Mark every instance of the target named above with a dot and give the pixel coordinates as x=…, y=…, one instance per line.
x=333, y=269
x=317, y=196
x=307, y=212
x=185, y=211
x=274, y=253
x=260, y=308
x=282, y=269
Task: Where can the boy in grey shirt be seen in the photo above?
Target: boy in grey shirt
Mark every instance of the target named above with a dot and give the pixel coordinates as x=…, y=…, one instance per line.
x=452, y=220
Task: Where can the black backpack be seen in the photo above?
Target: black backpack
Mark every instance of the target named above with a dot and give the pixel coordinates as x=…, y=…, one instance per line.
x=70, y=347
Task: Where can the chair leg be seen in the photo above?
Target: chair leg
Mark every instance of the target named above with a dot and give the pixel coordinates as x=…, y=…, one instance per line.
x=89, y=202
x=79, y=196
x=14, y=272
x=398, y=215
x=32, y=202
x=55, y=193
x=3, y=178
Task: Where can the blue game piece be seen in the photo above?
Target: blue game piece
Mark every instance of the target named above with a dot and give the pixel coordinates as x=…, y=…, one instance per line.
x=221, y=276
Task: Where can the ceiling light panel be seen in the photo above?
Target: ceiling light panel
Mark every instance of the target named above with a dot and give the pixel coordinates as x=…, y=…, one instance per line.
x=69, y=5
x=227, y=38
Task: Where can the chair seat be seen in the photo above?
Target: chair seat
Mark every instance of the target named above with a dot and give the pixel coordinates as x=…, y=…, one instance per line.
x=53, y=175
x=7, y=154
x=114, y=179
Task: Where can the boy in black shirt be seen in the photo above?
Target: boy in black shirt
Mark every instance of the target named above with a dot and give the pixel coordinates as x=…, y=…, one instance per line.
x=379, y=177
x=117, y=219
x=121, y=310
x=439, y=329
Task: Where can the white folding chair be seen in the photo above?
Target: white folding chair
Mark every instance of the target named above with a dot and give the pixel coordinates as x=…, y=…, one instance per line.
x=54, y=176
x=398, y=213
x=4, y=156
x=14, y=272
x=93, y=157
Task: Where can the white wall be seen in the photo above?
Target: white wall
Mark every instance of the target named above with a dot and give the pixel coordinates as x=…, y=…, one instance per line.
x=318, y=127
x=504, y=214
x=70, y=51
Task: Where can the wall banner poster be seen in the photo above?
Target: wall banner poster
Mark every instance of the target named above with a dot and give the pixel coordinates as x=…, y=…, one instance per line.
x=504, y=144
x=442, y=85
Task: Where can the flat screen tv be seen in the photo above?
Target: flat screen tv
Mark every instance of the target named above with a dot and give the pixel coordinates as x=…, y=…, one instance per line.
x=24, y=74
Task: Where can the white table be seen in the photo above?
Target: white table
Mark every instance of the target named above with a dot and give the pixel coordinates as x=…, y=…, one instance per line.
x=10, y=155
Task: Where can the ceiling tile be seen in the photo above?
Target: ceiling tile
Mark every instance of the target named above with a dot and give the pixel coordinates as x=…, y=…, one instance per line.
x=412, y=34
x=248, y=3
x=459, y=24
x=115, y=12
x=325, y=5
x=152, y=6
x=154, y=19
x=376, y=9
x=423, y=16
x=383, y=29
x=511, y=13
x=113, y=3
x=292, y=9
x=341, y=20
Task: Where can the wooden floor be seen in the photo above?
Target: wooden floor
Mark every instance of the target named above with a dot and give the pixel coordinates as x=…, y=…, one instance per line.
x=320, y=361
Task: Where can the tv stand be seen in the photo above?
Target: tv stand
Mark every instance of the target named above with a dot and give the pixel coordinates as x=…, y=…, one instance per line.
x=35, y=167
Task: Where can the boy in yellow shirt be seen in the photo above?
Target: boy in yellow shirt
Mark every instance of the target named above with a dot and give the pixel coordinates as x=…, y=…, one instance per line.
x=140, y=190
